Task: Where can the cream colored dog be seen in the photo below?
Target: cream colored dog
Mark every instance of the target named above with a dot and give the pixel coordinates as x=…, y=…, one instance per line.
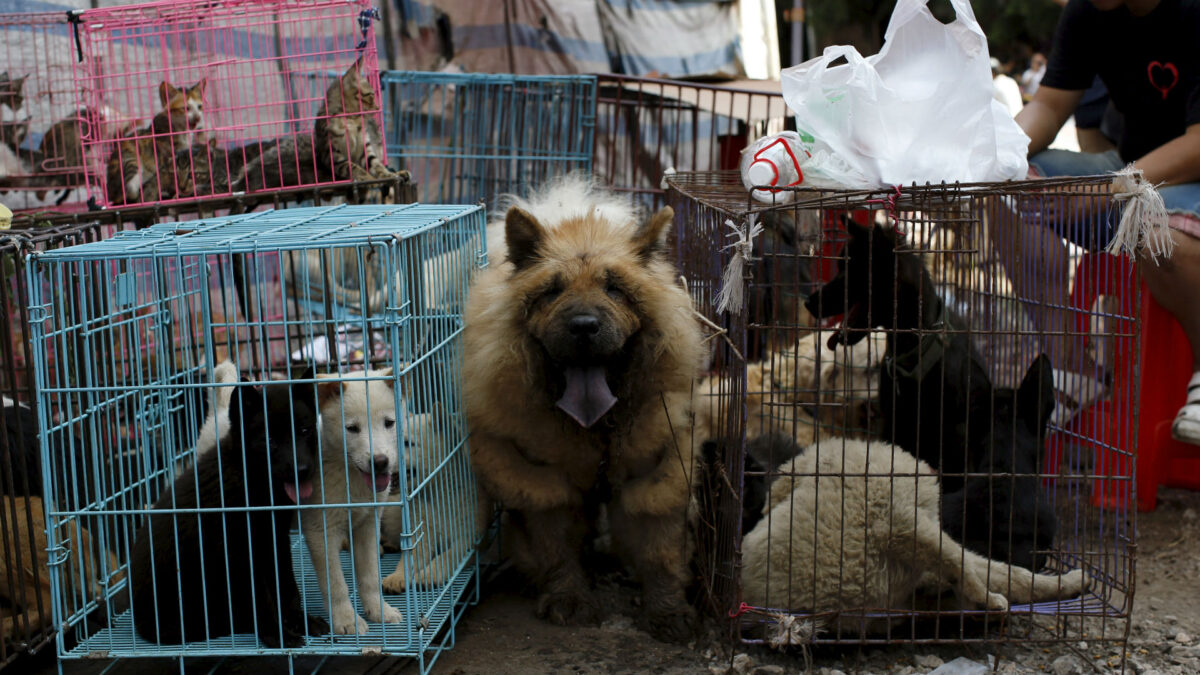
x=867, y=536
x=358, y=457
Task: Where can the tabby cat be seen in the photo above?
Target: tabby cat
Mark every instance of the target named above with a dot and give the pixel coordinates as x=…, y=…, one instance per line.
x=346, y=135
x=143, y=166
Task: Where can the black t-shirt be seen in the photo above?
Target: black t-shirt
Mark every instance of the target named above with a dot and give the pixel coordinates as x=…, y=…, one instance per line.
x=1150, y=65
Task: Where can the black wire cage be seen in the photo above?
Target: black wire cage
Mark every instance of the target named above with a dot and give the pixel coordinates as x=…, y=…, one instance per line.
x=25, y=603
x=909, y=436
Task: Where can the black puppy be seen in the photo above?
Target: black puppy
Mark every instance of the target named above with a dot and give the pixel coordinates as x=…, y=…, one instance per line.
x=207, y=575
x=1003, y=513
x=930, y=370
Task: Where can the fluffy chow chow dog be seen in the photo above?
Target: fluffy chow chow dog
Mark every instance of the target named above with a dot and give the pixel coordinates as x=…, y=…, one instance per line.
x=581, y=348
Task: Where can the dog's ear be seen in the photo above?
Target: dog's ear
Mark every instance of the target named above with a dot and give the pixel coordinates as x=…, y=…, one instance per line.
x=523, y=235
x=1035, y=396
x=327, y=390
x=388, y=372
x=247, y=404
x=650, y=240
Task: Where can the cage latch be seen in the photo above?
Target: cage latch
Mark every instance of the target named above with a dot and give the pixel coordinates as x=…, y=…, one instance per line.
x=57, y=555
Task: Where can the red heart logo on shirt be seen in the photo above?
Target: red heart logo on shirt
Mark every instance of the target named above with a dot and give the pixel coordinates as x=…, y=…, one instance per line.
x=1158, y=73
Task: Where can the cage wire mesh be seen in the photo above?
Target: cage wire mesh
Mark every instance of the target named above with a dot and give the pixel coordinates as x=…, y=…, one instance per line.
x=814, y=528
x=225, y=97
x=469, y=137
x=647, y=126
x=41, y=154
x=25, y=602
x=200, y=468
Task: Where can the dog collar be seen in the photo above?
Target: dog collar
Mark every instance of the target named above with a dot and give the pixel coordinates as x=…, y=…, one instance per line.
x=916, y=363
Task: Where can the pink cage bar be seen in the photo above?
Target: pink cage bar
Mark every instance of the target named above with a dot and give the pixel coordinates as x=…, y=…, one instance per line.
x=41, y=158
x=229, y=96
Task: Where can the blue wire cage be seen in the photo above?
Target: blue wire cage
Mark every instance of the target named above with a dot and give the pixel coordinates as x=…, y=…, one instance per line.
x=467, y=138
x=155, y=356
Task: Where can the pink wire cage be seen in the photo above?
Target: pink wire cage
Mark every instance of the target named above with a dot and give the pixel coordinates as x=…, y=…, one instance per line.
x=248, y=79
x=41, y=165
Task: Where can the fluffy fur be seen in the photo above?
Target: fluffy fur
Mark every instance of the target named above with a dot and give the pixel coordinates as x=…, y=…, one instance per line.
x=583, y=289
x=866, y=535
x=447, y=534
x=358, y=457
x=806, y=390
x=232, y=572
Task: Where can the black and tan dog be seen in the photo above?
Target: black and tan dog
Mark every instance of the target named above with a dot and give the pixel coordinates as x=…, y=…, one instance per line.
x=936, y=397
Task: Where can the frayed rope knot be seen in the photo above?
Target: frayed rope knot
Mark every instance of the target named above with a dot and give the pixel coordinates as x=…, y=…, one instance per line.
x=364, y=24
x=732, y=295
x=1144, y=218
x=786, y=630
x=670, y=171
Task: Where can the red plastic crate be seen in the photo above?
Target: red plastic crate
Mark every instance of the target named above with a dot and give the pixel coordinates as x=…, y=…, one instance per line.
x=1158, y=391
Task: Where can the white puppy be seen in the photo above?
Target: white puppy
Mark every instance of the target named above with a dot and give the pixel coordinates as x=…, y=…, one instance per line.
x=358, y=458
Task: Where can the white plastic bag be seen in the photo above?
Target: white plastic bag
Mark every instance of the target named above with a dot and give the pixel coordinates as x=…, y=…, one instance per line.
x=921, y=110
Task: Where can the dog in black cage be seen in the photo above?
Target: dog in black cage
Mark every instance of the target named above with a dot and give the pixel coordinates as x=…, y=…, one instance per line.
x=932, y=379
x=207, y=575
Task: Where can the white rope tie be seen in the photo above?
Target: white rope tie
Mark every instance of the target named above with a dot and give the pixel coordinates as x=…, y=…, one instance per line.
x=1144, y=218
x=732, y=295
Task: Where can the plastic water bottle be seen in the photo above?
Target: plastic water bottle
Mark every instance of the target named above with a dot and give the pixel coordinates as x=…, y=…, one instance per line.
x=774, y=160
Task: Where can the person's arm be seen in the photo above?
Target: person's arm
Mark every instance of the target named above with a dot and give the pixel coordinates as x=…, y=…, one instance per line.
x=1176, y=161
x=1045, y=114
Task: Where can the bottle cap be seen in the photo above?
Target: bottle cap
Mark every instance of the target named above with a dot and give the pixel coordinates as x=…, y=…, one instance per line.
x=762, y=172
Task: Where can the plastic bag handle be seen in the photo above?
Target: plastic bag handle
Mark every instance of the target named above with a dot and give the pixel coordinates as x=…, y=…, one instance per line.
x=905, y=9
x=832, y=53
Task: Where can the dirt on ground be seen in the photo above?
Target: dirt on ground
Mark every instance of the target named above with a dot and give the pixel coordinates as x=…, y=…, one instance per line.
x=501, y=635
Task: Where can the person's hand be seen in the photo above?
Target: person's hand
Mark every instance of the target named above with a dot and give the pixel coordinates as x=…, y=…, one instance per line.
x=1073, y=204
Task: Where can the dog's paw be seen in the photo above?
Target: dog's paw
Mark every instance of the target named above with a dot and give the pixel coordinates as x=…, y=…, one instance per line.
x=391, y=614
x=378, y=611
x=395, y=582
x=315, y=625
x=997, y=602
x=676, y=627
x=349, y=623
x=569, y=609
x=1072, y=583
x=297, y=625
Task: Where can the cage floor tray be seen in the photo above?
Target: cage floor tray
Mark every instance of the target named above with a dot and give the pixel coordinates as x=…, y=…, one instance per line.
x=427, y=612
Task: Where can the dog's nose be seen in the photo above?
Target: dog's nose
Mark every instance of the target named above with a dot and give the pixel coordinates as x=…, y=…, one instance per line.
x=302, y=469
x=584, y=325
x=381, y=463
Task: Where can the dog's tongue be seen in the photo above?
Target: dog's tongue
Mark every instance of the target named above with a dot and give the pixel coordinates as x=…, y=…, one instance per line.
x=298, y=493
x=377, y=481
x=587, y=397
